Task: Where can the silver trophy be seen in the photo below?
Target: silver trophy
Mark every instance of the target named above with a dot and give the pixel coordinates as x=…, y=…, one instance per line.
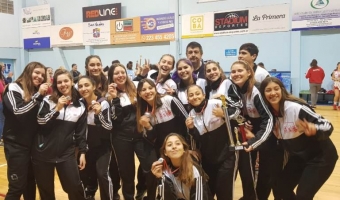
x=234, y=146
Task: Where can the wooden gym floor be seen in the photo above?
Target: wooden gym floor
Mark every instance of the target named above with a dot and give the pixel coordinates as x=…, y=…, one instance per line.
x=329, y=191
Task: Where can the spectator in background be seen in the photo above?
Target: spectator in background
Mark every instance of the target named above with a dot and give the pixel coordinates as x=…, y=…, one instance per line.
x=105, y=70
x=315, y=74
x=260, y=64
x=49, y=80
x=50, y=71
x=2, y=117
x=336, y=87
x=75, y=73
x=3, y=68
x=194, y=53
x=115, y=61
x=9, y=78
x=129, y=70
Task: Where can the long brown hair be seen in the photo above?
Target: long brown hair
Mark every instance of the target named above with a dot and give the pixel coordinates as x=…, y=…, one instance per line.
x=130, y=88
x=25, y=80
x=186, y=173
x=101, y=80
x=56, y=94
x=223, y=76
x=285, y=95
x=171, y=56
x=251, y=77
x=142, y=104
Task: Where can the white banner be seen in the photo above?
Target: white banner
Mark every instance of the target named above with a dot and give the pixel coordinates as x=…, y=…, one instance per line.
x=96, y=33
x=67, y=35
x=253, y=20
x=38, y=32
x=198, y=25
x=36, y=16
x=269, y=19
x=315, y=14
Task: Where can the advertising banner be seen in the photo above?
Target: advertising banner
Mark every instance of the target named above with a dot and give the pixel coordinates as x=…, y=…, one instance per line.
x=36, y=16
x=264, y=19
x=158, y=28
x=102, y=12
x=231, y=22
x=36, y=38
x=315, y=14
x=37, y=43
x=274, y=18
x=67, y=35
x=198, y=25
x=124, y=31
x=96, y=33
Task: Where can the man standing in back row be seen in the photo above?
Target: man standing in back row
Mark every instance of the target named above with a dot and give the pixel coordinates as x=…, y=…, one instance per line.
x=194, y=53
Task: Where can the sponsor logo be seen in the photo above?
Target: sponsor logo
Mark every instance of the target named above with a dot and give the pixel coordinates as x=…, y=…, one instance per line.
x=319, y=4
x=268, y=17
x=95, y=24
x=27, y=11
x=124, y=25
x=150, y=24
x=66, y=33
x=231, y=20
x=102, y=12
x=96, y=32
x=36, y=43
x=196, y=23
x=36, y=32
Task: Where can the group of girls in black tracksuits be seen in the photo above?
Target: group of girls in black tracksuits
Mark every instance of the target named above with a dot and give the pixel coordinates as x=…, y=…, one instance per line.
x=106, y=121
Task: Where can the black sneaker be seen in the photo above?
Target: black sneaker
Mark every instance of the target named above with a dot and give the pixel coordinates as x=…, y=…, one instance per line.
x=90, y=197
x=140, y=194
x=116, y=196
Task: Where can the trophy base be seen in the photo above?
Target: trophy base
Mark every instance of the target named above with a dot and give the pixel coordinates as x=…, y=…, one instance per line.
x=236, y=148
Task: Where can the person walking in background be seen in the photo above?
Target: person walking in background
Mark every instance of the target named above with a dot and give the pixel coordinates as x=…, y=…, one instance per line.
x=75, y=73
x=336, y=87
x=315, y=74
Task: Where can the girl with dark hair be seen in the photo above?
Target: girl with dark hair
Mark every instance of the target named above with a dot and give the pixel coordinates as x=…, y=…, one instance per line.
x=210, y=131
x=180, y=177
x=158, y=115
x=127, y=141
x=21, y=103
x=336, y=87
x=98, y=138
x=94, y=69
x=63, y=128
x=259, y=121
x=315, y=74
x=185, y=70
x=218, y=84
x=305, y=136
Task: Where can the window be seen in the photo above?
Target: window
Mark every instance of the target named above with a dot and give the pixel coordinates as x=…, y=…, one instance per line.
x=6, y=6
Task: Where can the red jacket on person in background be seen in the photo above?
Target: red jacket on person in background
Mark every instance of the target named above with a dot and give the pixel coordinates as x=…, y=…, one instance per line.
x=315, y=75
